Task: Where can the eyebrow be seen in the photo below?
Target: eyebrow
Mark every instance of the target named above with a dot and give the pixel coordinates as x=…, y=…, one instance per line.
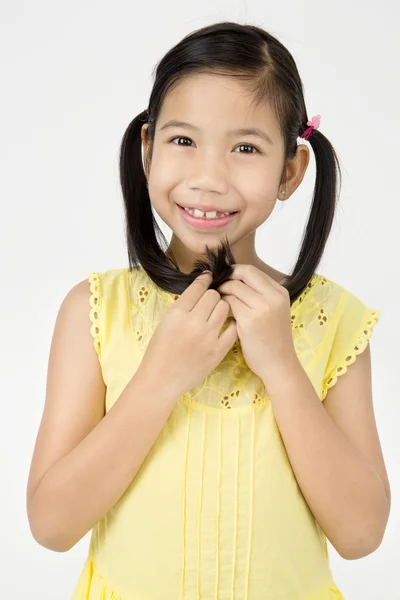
x=242, y=131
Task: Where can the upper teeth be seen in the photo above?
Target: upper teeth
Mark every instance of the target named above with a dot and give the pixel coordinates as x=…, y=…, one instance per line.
x=209, y=215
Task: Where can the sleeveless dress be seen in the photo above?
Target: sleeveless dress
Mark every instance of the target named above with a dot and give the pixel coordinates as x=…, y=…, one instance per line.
x=215, y=511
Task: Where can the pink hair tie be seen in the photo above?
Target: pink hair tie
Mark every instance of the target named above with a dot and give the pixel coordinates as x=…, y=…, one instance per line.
x=313, y=124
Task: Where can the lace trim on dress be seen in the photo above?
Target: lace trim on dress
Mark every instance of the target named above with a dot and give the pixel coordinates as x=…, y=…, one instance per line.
x=94, y=314
x=358, y=348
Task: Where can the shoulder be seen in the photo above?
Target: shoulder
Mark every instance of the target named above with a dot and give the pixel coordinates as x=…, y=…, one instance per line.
x=325, y=292
x=349, y=325
x=342, y=299
x=72, y=317
x=111, y=277
x=320, y=299
x=325, y=288
x=110, y=290
x=93, y=285
x=93, y=290
x=115, y=273
x=330, y=312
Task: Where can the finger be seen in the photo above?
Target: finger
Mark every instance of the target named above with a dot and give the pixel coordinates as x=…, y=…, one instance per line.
x=254, y=277
x=229, y=336
x=219, y=314
x=190, y=297
x=238, y=308
x=243, y=292
x=207, y=304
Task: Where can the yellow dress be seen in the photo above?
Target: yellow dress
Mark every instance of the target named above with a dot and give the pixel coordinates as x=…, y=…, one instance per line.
x=215, y=511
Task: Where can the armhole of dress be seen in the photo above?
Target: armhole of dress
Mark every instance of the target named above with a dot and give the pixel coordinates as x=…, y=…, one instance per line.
x=95, y=310
x=372, y=318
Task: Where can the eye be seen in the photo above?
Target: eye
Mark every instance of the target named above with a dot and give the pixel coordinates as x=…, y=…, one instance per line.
x=248, y=146
x=179, y=137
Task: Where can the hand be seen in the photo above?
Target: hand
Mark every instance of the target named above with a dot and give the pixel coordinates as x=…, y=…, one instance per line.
x=186, y=345
x=261, y=307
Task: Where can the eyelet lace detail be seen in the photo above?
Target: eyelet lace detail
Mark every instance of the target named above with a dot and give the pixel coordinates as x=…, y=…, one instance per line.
x=94, y=314
x=233, y=385
x=357, y=349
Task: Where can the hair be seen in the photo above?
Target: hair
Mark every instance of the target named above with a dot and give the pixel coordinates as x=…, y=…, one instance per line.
x=269, y=72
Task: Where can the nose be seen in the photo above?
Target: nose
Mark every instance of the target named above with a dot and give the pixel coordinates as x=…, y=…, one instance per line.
x=208, y=173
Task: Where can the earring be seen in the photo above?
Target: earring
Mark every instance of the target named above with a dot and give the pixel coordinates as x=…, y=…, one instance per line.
x=283, y=192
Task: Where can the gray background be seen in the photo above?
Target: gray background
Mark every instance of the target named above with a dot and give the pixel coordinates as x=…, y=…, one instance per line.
x=73, y=75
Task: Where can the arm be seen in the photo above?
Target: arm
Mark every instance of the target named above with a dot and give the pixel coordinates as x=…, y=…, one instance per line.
x=84, y=461
x=335, y=453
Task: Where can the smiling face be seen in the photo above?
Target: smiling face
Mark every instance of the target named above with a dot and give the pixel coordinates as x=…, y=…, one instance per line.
x=207, y=163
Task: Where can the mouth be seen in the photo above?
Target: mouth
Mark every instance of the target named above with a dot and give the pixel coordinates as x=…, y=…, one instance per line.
x=204, y=222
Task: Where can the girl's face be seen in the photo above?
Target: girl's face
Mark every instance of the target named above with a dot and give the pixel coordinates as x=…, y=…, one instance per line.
x=207, y=163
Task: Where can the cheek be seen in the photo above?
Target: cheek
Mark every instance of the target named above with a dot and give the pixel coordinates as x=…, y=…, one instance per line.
x=165, y=171
x=258, y=185
x=162, y=183
x=259, y=205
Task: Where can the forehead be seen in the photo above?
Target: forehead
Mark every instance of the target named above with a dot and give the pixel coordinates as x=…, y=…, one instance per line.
x=210, y=99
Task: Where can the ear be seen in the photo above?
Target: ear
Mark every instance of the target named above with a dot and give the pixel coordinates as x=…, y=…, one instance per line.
x=296, y=168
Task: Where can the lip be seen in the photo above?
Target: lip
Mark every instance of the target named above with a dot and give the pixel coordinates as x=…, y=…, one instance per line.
x=206, y=223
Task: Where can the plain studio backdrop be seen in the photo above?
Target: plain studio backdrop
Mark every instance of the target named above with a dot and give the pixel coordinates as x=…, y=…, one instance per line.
x=73, y=75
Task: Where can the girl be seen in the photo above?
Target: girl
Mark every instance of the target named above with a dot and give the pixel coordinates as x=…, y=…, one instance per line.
x=214, y=437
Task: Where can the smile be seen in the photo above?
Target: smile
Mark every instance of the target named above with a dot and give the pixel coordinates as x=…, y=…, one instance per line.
x=204, y=222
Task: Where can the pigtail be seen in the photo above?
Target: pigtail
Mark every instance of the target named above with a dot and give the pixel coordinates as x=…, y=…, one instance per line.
x=322, y=213
x=141, y=226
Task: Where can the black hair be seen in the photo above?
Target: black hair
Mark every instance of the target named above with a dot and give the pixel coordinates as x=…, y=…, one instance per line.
x=262, y=63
